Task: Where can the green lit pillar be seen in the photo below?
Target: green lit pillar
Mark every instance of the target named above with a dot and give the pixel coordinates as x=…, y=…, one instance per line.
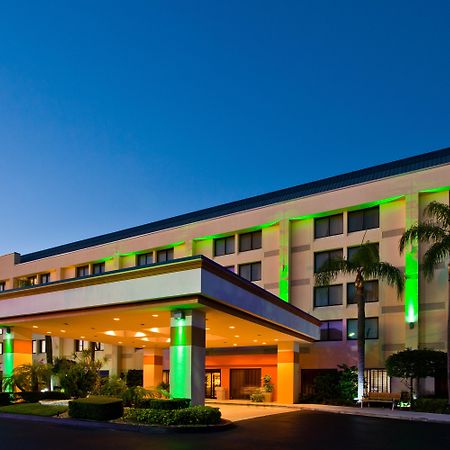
x=284, y=259
x=187, y=355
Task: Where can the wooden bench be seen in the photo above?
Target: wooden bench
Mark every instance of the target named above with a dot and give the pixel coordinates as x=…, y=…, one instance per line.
x=382, y=397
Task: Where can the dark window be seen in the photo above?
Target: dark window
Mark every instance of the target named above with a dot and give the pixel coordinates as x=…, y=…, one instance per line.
x=31, y=281
x=79, y=345
x=328, y=226
x=230, y=268
x=321, y=258
x=98, y=268
x=251, y=272
x=144, y=259
x=82, y=271
x=371, y=328
x=328, y=295
x=351, y=251
x=99, y=346
x=2, y=286
x=331, y=330
x=44, y=278
x=164, y=255
x=224, y=246
x=364, y=219
x=370, y=292
x=250, y=241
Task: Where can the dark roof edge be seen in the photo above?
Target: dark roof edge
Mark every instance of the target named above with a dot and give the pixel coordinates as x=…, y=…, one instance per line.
x=411, y=164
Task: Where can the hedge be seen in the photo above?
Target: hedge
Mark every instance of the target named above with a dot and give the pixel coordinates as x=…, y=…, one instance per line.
x=193, y=415
x=434, y=405
x=35, y=396
x=5, y=398
x=96, y=408
x=163, y=404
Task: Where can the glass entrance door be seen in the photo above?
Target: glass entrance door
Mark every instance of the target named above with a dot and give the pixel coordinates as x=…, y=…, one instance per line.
x=212, y=380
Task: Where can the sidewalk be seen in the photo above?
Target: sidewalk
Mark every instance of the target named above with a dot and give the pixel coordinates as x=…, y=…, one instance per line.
x=236, y=410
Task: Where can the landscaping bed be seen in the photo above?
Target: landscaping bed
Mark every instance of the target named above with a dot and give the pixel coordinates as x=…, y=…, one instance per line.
x=34, y=409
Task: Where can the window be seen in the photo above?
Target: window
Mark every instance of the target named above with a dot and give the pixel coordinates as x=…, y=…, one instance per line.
x=1, y=348
x=224, y=246
x=328, y=226
x=80, y=345
x=370, y=292
x=44, y=278
x=82, y=271
x=251, y=272
x=328, y=295
x=364, y=219
x=34, y=346
x=2, y=286
x=99, y=346
x=164, y=255
x=321, y=258
x=377, y=380
x=31, y=281
x=351, y=251
x=42, y=347
x=371, y=329
x=250, y=241
x=231, y=268
x=98, y=268
x=331, y=330
x=144, y=259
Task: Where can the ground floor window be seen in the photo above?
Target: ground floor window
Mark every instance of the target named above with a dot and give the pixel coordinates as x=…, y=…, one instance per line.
x=377, y=380
x=212, y=381
x=244, y=382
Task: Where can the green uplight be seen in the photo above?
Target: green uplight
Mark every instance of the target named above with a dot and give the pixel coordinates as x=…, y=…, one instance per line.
x=8, y=356
x=411, y=286
x=180, y=367
x=439, y=189
x=245, y=230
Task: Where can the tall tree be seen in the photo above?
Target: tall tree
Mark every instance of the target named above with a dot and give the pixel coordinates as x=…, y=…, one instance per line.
x=365, y=265
x=433, y=230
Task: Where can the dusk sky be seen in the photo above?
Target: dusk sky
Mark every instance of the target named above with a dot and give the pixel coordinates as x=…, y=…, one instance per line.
x=114, y=114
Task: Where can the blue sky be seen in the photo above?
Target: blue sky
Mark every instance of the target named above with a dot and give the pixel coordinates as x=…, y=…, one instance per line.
x=114, y=114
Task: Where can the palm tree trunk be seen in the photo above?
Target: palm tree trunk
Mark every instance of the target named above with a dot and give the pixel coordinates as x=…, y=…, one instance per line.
x=361, y=333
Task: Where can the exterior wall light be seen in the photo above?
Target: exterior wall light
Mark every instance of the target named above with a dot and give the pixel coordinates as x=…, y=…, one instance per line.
x=178, y=314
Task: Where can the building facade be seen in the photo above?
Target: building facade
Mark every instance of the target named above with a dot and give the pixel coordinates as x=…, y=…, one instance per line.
x=276, y=241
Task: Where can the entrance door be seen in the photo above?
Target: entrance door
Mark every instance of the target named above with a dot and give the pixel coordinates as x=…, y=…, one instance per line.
x=243, y=382
x=212, y=380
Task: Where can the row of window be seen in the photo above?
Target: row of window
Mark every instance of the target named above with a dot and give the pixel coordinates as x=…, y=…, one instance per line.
x=331, y=330
x=247, y=241
x=363, y=219
x=249, y=271
x=332, y=295
x=80, y=345
x=2, y=286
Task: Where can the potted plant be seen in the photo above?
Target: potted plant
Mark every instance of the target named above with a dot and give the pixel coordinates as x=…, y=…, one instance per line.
x=267, y=388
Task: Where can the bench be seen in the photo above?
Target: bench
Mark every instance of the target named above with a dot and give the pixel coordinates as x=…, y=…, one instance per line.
x=381, y=397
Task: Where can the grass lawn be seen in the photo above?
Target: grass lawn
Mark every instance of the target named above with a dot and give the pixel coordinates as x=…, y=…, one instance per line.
x=34, y=409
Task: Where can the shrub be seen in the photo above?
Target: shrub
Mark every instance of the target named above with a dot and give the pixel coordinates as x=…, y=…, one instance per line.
x=257, y=397
x=54, y=395
x=433, y=405
x=194, y=415
x=5, y=398
x=113, y=386
x=163, y=404
x=96, y=408
x=30, y=397
x=134, y=396
x=135, y=378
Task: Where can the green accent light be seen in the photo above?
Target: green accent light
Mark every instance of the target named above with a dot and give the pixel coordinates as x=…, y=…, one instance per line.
x=245, y=230
x=8, y=356
x=180, y=373
x=439, y=189
x=412, y=286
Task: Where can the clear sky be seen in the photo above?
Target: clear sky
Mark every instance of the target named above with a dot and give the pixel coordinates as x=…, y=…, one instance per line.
x=119, y=113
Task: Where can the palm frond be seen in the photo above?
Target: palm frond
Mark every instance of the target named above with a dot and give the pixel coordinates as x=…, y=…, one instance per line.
x=331, y=269
x=438, y=212
x=390, y=274
x=366, y=253
x=423, y=232
x=437, y=253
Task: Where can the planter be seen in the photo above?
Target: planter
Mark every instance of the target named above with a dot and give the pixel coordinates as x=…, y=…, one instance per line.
x=267, y=397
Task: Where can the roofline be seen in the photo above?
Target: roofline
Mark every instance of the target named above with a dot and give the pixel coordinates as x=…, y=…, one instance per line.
x=398, y=167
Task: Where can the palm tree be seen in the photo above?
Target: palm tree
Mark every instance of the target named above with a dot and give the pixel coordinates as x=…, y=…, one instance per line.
x=365, y=264
x=434, y=230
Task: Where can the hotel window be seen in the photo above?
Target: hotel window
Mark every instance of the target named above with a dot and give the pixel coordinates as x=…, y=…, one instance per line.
x=364, y=219
x=144, y=259
x=331, y=330
x=1, y=348
x=224, y=246
x=42, y=347
x=251, y=271
x=82, y=271
x=164, y=255
x=79, y=345
x=328, y=295
x=328, y=226
x=370, y=292
x=321, y=258
x=98, y=268
x=99, y=346
x=44, y=278
x=351, y=251
x=2, y=286
x=250, y=241
x=371, y=328
x=31, y=281
x=34, y=346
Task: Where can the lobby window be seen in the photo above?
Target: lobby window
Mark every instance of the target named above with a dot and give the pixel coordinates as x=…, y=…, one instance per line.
x=331, y=330
x=34, y=346
x=2, y=286
x=144, y=259
x=99, y=346
x=370, y=292
x=44, y=278
x=224, y=246
x=82, y=271
x=98, y=268
x=371, y=328
x=41, y=346
x=31, y=281
x=80, y=345
x=328, y=295
x=164, y=255
x=251, y=271
x=320, y=258
x=250, y=241
x=364, y=219
x=351, y=251
x=328, y=226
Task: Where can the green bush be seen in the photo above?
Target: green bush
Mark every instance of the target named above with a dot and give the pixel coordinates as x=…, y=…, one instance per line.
x=163, y=404
x=194, y=415
x=257, y=397
x=133, y=396
x=113, y=386
x=96, y=408
x=433, y=405
x=5, y=398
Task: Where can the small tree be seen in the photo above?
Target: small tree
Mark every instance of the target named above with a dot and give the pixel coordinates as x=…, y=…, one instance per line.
x=29, y=377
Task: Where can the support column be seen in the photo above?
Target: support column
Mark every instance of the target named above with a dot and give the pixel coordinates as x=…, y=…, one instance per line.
x=17, y=349
x=153, y=367
x=187, y=355
x=288, y=372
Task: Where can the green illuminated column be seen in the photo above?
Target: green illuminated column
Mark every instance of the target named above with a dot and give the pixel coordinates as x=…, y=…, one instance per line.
x=412, y=277
x=187, y=355
x=284, y=259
